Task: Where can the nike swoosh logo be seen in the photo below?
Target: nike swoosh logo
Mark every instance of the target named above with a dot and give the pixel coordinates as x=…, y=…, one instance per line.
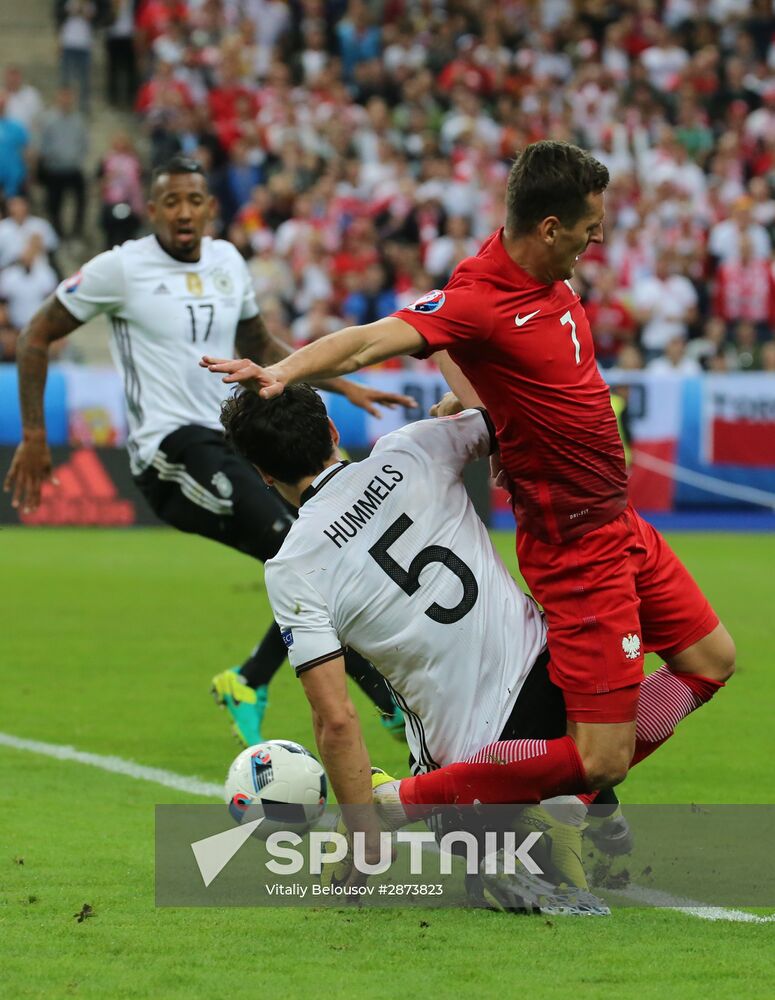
x=521, y=320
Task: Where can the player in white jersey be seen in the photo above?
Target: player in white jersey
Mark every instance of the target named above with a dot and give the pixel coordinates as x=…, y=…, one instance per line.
x=394, y=561
x=387, y=559
x=169, y=296
x=388, y=555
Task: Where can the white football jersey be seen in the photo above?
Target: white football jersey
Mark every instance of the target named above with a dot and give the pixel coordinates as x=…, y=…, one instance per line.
x=388, y=556
x=165, y=315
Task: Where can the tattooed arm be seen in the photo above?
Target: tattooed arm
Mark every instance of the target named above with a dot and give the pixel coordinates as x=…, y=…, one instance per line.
x=254, y=341
x=31, y=465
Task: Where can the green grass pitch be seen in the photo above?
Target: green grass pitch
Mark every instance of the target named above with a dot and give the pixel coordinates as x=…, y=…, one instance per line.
x=108, y=642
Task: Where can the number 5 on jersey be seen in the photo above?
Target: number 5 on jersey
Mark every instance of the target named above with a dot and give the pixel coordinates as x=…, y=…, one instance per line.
x=409, y=580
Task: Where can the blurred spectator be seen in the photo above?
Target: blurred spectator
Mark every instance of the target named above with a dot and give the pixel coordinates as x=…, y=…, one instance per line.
x=629, y=359
x=271, y=19
x=23, y=101
x=609, y=317
x=120, y=58
x=675, y=360
x=121, y=191
x=315, y=281
x=13, y=143
x=370, y=298
x=763, y=209
x=154, y=17
x=760, y=124
x=316, y=322
x=19, y=227
x=744, y=290
x=163, y=92
x=767, y=356
x=445, y=252
x=713, y=344
x=64, y=145
x=665, y=59
x=718, y=363
x=25, y=284
x=727, y=236
x=746, y=347
x=76, y=39
x=272, y=277
x=665, y=304
x=238, y=180
x=358, y=36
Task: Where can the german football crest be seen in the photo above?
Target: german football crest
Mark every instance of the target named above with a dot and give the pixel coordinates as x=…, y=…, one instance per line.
x=222, y=483
x=223, y=282
x=194, y=283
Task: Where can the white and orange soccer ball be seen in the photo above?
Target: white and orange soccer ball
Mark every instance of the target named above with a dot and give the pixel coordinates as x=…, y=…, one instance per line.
x=279, y=782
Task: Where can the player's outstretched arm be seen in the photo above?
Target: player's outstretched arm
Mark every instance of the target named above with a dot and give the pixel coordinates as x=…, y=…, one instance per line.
x=255, y=343
x=339, y=353
x=31, y=465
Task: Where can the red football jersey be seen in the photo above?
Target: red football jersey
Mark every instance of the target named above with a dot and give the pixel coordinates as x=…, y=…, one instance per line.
x=527, y=349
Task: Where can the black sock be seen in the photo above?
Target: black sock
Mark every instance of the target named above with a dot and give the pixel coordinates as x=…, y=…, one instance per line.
x=370, y=681
x=606, y=803
x=266, y=659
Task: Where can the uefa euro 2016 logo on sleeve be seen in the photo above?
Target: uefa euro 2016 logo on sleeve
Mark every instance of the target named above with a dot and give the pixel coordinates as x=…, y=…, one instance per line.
x=287, y=635
x=431, y=302
x=73, y=282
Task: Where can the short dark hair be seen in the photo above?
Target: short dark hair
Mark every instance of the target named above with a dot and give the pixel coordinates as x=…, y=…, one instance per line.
x=176, y=165
x=287, y=437
x=551, y=178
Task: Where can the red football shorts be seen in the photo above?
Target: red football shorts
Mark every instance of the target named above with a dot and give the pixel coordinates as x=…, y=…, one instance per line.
x=609, y=597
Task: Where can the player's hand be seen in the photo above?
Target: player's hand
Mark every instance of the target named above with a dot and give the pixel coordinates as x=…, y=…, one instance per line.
x=261, y=380
x=447, y=406
x=31, y=467
x=369, y=398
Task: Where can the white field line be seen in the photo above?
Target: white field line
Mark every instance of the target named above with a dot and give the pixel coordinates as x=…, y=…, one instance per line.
x=117, y=765
x=209, y=789
x=653, y=897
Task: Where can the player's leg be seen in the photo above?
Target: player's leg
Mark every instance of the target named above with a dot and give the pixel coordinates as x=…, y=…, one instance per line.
x=587, y=588
x=196, y=484
x=539, y=713
x=679, y=623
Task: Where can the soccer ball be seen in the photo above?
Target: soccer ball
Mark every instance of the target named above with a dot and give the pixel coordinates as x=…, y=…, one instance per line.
x=279, y=782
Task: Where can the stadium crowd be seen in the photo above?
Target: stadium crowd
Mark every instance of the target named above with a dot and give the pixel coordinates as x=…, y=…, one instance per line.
x=359, y=150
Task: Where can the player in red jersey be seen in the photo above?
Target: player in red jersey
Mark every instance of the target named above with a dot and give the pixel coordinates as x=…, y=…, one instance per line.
x=518, y=341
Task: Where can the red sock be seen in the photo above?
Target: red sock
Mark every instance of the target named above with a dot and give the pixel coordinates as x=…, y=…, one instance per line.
x=503, y=772
x=666, y=697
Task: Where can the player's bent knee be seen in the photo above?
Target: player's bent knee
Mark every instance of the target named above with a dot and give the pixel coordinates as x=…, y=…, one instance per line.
x=726, y=657
x=712, y=656
x=605, y=772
